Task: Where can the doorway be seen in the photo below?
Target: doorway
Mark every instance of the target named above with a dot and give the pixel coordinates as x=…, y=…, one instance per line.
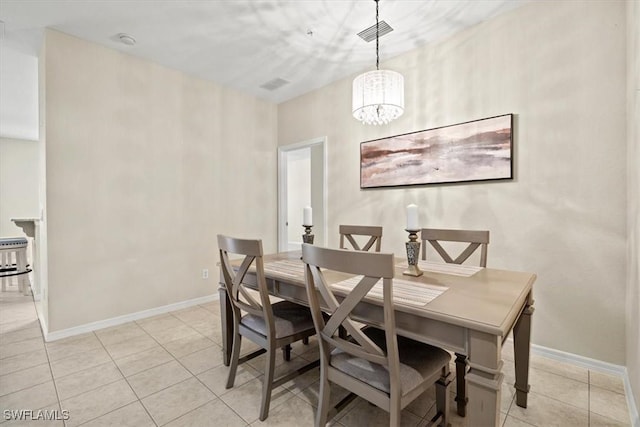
x=301, y=183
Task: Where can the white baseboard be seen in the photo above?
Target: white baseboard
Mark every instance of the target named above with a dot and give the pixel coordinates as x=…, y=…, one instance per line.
x=41, y=318
x=114, y=321
x=594, y=365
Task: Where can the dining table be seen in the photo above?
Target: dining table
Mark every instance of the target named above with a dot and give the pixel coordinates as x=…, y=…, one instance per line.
x=465, y=309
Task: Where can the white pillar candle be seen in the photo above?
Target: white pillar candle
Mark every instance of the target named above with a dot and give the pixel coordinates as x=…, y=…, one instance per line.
x=307, y=216
x=412, y=217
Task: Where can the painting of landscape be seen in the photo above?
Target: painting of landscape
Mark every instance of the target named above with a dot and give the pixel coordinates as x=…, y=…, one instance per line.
x=473, y=151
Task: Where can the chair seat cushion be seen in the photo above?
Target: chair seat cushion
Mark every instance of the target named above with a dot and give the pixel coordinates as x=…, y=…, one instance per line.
x=290, y=319
x=418, y=361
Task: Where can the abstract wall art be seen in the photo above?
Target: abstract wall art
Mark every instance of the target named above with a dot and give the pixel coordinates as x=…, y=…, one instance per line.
x=479, y=150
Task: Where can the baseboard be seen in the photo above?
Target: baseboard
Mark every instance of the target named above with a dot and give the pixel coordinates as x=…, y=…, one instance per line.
x=594, y=365
x=114, y=321
x=41, y=318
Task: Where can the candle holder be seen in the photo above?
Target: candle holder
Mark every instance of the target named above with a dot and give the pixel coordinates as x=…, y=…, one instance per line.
x=307, y=237
x=413, y=252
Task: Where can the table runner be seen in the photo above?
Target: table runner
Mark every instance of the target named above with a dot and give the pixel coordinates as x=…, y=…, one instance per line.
x=445, y=268
x=411, y=293
x=285, y=267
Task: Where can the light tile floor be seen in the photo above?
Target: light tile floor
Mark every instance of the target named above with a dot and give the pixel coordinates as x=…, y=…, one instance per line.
x=167, y=370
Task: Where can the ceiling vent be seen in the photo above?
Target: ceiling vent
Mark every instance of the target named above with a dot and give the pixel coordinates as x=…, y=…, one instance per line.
x=127, y=39
x=274, y=84
x=369, y=34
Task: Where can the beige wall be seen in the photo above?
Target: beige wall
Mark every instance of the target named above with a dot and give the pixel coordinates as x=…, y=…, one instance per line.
x=633, y=162
x=144, y=168
x=560, y=67
x=18, y=183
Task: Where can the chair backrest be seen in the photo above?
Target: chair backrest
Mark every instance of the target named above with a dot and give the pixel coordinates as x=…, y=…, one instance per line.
x=475, y=239
x=373, y=232
x=241, y=296
x=373, y=267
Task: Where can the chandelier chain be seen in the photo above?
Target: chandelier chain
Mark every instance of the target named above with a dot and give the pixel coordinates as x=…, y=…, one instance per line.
x=377, y=38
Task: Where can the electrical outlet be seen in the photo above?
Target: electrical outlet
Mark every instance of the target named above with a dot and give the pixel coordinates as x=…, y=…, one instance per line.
x=205, y=273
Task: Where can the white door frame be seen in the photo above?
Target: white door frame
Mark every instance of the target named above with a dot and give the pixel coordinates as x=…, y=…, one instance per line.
x=283, y=239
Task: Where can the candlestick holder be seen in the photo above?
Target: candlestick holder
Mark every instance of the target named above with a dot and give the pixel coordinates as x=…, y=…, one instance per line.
x=413, y=252
x=307, y=237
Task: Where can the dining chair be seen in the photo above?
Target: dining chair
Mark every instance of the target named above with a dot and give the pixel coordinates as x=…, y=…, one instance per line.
x=474, y=238
x=271, y=326
x=469, y=241
x=387, y=370
x=349, y=231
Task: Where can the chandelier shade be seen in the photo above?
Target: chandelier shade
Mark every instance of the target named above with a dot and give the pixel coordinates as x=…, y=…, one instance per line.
x=378, y=97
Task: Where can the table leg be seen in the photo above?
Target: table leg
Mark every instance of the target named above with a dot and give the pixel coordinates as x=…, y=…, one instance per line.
x=521, y=350
x=461, y=384
x=226, y=317
x=484, y=379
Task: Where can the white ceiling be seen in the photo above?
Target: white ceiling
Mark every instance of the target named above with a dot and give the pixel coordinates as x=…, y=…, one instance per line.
x=246, y=43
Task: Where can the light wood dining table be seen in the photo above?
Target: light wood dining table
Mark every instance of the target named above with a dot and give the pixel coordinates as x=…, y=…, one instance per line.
x=472, y=316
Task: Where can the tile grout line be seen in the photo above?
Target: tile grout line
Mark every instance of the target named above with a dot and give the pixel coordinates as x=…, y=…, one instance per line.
x=102, y=345
x=32, y=385
x=128, y=384
x=174, y=359
x=46, y=352
x=168, y=352
x=220, y=398
x=205, y=386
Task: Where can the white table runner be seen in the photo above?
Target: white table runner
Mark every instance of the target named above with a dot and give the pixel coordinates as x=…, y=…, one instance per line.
x=285, y=267
x=411, y=293
x=444, y=268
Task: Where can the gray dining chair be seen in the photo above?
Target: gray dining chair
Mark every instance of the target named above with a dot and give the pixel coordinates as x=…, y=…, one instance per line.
x=271, y=326
x=374, y=233
x=473, y=239
x=466, y=242
x=375, y=364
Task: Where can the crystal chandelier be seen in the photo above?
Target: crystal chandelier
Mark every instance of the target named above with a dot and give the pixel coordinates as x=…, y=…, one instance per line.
x=378, y=96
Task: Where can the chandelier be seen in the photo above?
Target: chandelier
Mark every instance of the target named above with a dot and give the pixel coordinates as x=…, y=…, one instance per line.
x=378, y=96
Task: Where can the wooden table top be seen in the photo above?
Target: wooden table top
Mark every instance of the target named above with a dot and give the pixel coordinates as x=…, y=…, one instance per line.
x=489, y=300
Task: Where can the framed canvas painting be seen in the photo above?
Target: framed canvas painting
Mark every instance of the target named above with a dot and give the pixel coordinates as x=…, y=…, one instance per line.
x=479, y=150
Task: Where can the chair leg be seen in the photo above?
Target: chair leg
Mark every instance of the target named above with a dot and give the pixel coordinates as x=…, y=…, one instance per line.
x=442, y=397
x=323, y=399
x=461, y=384
x=286, y=352
x=267, y=383
x=394, y=414
x=305, y=340
x=235, y=356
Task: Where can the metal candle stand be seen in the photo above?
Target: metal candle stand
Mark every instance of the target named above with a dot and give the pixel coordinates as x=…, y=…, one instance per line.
x=307, y=237
x=413, y=252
